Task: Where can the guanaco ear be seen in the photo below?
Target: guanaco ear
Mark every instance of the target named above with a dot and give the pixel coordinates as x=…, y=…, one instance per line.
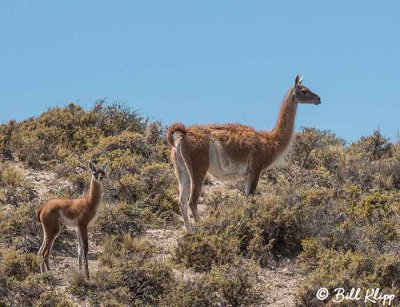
x=298, y=80
x=92, y=167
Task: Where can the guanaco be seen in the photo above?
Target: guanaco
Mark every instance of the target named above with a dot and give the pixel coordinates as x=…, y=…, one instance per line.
x=79, y=213
x=231, y=151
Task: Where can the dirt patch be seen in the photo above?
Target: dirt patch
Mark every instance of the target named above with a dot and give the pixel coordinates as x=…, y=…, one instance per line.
x=45, y=183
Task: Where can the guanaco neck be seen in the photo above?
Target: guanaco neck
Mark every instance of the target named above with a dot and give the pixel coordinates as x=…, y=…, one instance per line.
x=283, y=131
x=95, y=193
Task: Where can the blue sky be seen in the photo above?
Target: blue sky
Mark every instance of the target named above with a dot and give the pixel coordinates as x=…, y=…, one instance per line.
x=206, y=61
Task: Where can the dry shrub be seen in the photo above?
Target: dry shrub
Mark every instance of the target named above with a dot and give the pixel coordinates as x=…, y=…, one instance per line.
x=17, y=265
x=129, y=275
x=336, y=206
x=20, y=228
x=117, y=247
x=201, y=251
x=120, y=219
x=351, y=270
x=136, y=280
x=14, y=187
x=226, y=285
x=52, y=298
x=20, y=284
x=261, y=228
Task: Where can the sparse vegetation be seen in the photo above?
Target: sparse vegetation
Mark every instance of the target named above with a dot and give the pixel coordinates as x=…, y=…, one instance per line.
x=333, y=209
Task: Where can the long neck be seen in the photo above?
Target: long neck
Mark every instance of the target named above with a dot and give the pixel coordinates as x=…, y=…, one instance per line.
x=95, y=193
x=284, y=128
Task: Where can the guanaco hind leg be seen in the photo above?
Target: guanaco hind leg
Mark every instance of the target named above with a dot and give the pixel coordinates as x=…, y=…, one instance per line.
x=195, y=191
x=184, y=185
x=251, y=183
x=40, y=255
x=49, y=236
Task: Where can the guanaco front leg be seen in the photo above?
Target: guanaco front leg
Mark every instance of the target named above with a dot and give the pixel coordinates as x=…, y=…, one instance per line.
x=80, y=251
x=83, y=233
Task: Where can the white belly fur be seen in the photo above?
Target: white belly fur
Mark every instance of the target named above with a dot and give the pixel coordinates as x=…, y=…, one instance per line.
x=223, y=168
x=74, y=222
x=68, y=222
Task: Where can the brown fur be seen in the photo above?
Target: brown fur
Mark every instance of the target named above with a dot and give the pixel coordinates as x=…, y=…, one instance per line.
x=177, y=127
x=240, y=144
x=79, y=211
x=38, y=212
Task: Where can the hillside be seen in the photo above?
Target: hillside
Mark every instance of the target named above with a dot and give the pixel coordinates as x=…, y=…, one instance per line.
x=328, y=217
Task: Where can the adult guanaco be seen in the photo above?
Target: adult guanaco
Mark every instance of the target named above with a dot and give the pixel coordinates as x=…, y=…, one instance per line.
x=79, y=213
x=231, y=151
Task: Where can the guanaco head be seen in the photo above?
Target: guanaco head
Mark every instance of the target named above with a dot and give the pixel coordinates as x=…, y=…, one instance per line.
x=302, y=94
x=98, y=173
